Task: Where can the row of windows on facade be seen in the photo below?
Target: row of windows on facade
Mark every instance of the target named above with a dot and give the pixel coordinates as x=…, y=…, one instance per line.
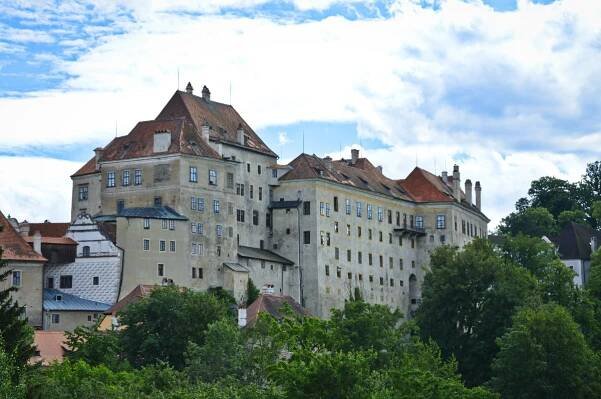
x=125, y=178
x=414, y=222
x=325, y=236
x=197, y=272
x=66, y=281
x=359, y=276
x=55, y=318
x=349, y=258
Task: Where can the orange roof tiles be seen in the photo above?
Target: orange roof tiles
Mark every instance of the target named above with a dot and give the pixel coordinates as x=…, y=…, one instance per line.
x=50, y=347
x=87, y=169
x=272, y=304
x=135, y=295
x=14, y=246
x=53, y=240
x=49, y=229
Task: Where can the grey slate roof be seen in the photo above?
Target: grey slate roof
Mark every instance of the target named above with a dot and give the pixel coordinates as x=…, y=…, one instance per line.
x=284, y=204
x=70, y=302
x=574, y=241
x=237, y=267
x=263, y=254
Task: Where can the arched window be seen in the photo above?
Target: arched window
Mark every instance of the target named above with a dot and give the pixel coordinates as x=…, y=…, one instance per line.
x=413, y=294
x=86, y=251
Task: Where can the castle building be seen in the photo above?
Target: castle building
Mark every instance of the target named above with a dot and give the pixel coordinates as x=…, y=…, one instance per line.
x=197, y=199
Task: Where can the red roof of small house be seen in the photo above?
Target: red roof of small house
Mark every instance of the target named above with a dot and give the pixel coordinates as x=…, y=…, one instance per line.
x=53, y=240
x=135, y=295
x=49, y=229
x=50, y=347
x=272, y=304
x=14, y=247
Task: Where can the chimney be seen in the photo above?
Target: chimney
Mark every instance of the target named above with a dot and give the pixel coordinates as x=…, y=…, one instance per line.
x=24, y=228
x=445, y=177
x=37, y=242
x=456, y=183
x=354, y=156
x=380, y=169
x=241, y=317
x=205, y=132
x=478, y=195
x=189, y=88
x=98, y=156
x=162, y=141
x=206, y=93
x=240, y=134
x=468, y=191
x=328, y=161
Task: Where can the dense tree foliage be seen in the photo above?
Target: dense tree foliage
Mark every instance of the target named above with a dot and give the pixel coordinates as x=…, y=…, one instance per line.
x=544, y=355
x=535, y=222
x=16, y=336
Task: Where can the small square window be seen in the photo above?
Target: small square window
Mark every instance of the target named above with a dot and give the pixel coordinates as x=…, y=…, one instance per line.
x=95, y=280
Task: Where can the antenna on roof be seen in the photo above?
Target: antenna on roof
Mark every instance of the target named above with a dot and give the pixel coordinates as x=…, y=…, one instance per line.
x=303, y=141
x=115, y=127
x=434, y=166
x=416, y=159
x=177, y=78
x=230, y=92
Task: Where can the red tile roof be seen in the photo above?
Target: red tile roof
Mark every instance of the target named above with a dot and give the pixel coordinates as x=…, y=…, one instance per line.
x=87, y=169
x=135, y=295
x=53, y=240
x=48, y=229
x=223, y=119
x=14, y=246
x=50, y=345
x=272, y=304
x=423, y=186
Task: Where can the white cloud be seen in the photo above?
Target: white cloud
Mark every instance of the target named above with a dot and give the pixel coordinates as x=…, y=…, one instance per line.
x=36, y=188
x=283, y=138
x=515, y=90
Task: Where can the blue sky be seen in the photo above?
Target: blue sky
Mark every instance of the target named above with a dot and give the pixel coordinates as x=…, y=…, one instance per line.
x=508, y=89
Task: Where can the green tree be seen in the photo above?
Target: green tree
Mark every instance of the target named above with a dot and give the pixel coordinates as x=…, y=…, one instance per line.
x=576, y=216
x=468, y=299
x=159, y=327
x=535, y=222
x=555, y=195
x=96, y=347
x=11, y=385
x=15, y=333
x=544, y=355
x=223, y=354
x=252, y=292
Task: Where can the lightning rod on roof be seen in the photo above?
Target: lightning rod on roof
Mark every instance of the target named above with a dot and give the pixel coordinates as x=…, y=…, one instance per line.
x=303, y=141
x=230, y=92
x=177, y=78
x=115, y=127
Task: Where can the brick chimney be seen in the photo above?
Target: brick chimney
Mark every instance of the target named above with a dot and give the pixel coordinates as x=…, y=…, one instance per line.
x=456, y=183
x=354, y=156
x=445, y=177
x=98, y=151
x=189, y=88
x=24, y=228
x=478, y=195
x=205, y=130
x=206, y=93
x=328, y=162
x=468, y=191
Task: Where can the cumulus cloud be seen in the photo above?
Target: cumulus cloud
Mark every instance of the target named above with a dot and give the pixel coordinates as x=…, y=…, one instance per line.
x=516, y=91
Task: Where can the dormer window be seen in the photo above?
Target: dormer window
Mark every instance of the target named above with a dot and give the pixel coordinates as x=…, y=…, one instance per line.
x=58, y=297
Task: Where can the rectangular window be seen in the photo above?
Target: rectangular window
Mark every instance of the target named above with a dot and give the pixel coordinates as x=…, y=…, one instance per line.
x=413, y=264
x=259, y=169
x=380, y=236
x=200, y=275
x=251, y=191
x=162, y=245
x=370, y=213
x=322, y=208
x=255, y=218
x=242, y=190
x=172, y=246
x=248, y=167
x=336, y=253
x=369, y=234
x=370, y=259
x=260, y=193
x=212, y=177
x=240, y=215
x=110, y=179
x=380, y=214
x=50, y=282
x=348, y=229
x=307, y=237
x=164, y=224
x=95, y=280
x=338, y=271
x=66, y=282
x=335, y=204
x=348, y=255
x=172, y=225
x=359, y=257
x=401, y=263
x=349, y=275
x=137, y=177
x=146, y=244
x=16, y=278
x=230, y=180
x=83, y=192
x=274, y=173
x=328, y=210
x=216, y=206
x=306, y=208
x=146, y=223
x=389, y=216
x=193, y=174
x=347, y=205
x=56, y=318
x=327, y=270
x=125, y=178
x=419, y=222
x=381, y=261
x=358, y=208
x=381, y=280
x=219, y=230
x=391, y=282
x=120, y=205
x=160, y=269
x=158, y=201
x=440, y=222
x=193, y=272
x=390, y=263
x=371, y=278
x=359, y=231
x=398, y=218
x=390, y=238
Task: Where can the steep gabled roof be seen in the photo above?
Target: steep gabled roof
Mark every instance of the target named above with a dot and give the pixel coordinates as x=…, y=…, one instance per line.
x=223, y=119
x=574, y=241
x=134, y=295
x=87, y=169
x=272, y=304
x=14, y=247
x=426, y=187
x=363, y=175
